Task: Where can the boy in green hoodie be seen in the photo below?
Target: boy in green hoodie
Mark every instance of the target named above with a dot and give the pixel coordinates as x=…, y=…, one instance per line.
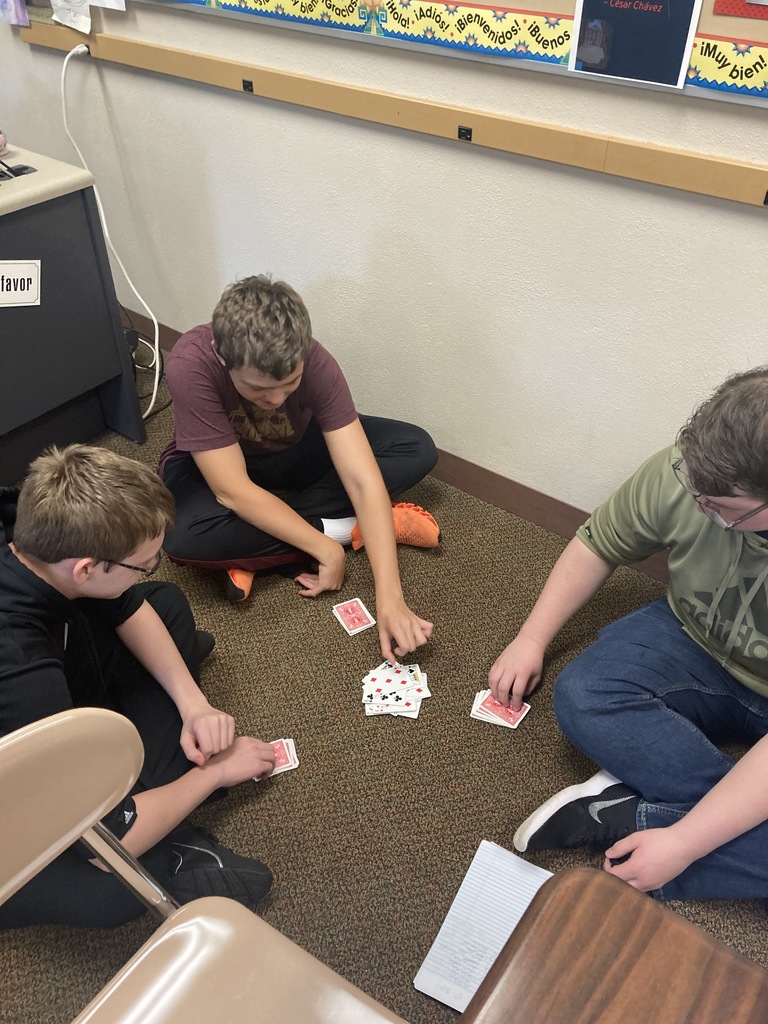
x=653, y=697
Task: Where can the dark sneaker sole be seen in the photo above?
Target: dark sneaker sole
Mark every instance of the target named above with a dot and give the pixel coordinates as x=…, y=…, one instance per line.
x=246, y=887
x=592, y=787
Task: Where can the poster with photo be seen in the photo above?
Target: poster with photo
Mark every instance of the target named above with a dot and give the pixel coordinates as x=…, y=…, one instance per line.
x=645, y=41
x=14, y=12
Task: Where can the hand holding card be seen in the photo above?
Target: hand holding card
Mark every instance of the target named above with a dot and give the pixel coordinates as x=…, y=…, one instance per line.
x=285, y=757
x=486, y=708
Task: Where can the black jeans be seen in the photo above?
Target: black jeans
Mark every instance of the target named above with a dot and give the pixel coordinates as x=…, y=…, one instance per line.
x=101, y=672
x=208, y=535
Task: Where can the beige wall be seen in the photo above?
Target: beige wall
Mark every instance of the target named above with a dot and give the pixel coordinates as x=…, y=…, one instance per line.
x=552, y=325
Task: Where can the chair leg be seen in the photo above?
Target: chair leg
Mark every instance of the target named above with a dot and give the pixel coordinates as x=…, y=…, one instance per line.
x=104, y=845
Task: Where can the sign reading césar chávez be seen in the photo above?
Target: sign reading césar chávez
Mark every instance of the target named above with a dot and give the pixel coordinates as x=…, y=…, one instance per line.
x=19, y=282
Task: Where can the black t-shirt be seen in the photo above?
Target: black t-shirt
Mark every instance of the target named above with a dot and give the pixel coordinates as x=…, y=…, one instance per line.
x=34, y=620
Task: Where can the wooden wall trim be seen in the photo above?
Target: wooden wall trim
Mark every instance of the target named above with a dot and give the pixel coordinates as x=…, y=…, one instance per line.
x=640, y=161
x=533, y=506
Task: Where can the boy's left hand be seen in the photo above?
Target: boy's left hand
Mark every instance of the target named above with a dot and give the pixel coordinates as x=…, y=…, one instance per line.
x=656, y=857
x=399, y=624
x=205, y=732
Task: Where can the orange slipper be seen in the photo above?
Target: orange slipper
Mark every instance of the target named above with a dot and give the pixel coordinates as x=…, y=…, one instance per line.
x=238, y=585
x=413, y=526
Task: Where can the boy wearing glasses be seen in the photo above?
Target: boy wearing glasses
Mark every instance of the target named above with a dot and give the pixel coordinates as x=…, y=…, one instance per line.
x=76, y=630
x=653, y=697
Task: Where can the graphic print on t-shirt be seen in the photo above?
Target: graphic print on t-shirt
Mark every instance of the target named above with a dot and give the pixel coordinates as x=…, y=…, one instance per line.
x=751, y=640
x=260, y=424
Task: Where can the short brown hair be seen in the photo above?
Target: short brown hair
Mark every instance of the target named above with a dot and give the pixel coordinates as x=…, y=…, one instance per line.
x=725, y=442
x=82, y=501
x=262, y=324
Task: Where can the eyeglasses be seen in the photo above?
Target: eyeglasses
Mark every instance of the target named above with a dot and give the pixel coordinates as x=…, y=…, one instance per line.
x=137, y=568
x=704, y=503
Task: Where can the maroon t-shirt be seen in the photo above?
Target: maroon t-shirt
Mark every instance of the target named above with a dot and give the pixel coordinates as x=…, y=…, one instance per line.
x=209, y=413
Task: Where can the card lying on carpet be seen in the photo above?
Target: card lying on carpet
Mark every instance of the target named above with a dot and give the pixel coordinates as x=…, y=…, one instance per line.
x=354, y=616
x=488, y=709
x=395, y=690
x=495, y=893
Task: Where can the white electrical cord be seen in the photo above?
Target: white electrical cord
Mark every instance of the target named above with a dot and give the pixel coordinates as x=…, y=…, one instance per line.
x=76, y=52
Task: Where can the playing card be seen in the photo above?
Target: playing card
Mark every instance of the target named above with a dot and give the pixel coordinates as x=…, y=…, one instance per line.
x=393, y=678
x=285, y=756
x=488, y=709
x=395, y=689
x=377, y=709
x=410, y=710
x=420, y=690
x=373, y=693
x=387, y=694
x=388, y=674
x=354, y=616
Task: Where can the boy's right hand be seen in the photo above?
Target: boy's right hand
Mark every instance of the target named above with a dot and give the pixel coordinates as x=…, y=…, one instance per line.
x=330, y=571
x=516, y=671
x=247, y=758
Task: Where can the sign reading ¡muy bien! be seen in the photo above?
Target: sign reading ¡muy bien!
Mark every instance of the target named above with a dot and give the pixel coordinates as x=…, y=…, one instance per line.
x=19, y=282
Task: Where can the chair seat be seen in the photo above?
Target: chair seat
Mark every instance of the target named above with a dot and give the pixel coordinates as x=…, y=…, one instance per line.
x=590, y=949
x=213, y=960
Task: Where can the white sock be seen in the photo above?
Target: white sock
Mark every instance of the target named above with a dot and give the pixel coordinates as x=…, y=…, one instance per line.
x=339, y=529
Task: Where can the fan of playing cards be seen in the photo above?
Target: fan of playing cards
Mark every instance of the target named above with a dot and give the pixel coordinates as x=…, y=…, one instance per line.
x=488, y=709
x=395, y=690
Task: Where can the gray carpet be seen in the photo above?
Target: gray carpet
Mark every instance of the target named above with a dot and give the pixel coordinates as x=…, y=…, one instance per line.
x=369, y=839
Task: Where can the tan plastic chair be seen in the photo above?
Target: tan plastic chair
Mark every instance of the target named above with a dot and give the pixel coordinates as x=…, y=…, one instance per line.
x=589, y=949
x=211, y=960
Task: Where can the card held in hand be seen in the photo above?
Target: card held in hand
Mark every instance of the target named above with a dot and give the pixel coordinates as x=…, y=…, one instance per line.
x=354, y=616
x=486, y=708
x=285, y=757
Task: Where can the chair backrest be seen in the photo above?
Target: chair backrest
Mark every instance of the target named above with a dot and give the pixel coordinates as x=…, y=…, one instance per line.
x=591, y=948
x=58, y=777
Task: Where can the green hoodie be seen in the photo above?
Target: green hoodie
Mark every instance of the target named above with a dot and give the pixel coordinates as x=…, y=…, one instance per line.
x=717, y=578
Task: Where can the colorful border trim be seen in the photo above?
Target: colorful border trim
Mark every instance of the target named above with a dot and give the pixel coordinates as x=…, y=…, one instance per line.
x=729, y=65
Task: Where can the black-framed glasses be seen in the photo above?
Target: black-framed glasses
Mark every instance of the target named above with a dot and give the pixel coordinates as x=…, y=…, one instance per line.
x=678, y=468
x=137, y=568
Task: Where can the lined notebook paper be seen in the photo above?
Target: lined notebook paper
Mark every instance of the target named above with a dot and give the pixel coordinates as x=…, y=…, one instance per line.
x=491, y=900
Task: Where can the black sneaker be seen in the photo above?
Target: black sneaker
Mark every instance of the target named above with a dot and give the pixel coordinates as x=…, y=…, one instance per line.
x=597, y=812
x=205, y=644
x=201, y=866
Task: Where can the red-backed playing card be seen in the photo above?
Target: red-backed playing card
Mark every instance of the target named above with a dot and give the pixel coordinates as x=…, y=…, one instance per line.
x=354, y=616
x=285, y=756
x=488, y=709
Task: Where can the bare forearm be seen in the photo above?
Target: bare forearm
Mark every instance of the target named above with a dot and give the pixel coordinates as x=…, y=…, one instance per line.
x=159, y=810
x=268, y=513
x=736, y=804
x=576, y=577
x=374, y=515
x=146, y=637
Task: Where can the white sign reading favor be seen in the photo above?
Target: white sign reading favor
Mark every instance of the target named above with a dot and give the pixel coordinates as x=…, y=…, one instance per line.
x=19, y=282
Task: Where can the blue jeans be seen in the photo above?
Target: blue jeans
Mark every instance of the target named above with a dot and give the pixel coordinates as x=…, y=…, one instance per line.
x=649, y=706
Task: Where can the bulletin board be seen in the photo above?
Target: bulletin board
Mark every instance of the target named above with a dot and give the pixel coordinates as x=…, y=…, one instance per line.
x=729, y=55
